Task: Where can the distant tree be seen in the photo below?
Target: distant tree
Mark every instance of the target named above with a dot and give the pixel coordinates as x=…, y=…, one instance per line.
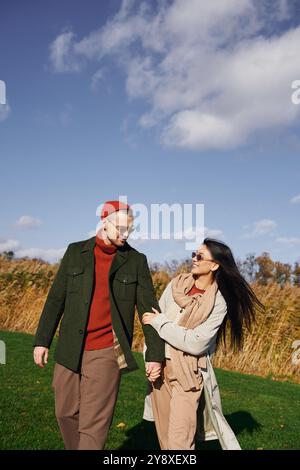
x=40, y=260
x=282, y=273
x=248, y=267
x=266, y=268
x=261, y=269
x=184, y=267
x=296, y=274
x=171, y=266
x=154, y=267
x=8, y=255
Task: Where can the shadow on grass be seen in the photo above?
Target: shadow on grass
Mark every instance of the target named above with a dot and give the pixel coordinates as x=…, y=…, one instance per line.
x=143, y=435
x=239, y=422
x=242, y=420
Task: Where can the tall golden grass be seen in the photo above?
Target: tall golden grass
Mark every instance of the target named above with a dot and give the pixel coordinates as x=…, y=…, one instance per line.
x=268, y=348
x=267, y=351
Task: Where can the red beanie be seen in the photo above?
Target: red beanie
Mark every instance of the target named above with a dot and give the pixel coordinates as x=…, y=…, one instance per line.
x=113, y=206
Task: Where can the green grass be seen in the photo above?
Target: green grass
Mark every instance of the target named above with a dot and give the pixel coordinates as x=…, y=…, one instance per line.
x=263, y=413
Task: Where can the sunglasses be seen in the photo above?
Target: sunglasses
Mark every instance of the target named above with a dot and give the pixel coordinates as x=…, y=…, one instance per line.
x=123, y=230
x=200, y=257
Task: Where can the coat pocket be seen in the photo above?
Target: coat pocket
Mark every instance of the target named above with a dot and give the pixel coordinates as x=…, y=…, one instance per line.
x=125, y=286
x=74, y=278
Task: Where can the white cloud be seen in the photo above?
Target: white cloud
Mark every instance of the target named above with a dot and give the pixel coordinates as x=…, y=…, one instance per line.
x=170, y=256
x=27, y=222
x=51, y=255
x=192, y=232
x=195, y=129
x=128, y=127
x=97, y=78
x=61, y=53
x=213, y=233
x=288, y=240
x=283, y=10
x=295, y=199
x=261, y=227
x=205, y=69
x=9, y=244
x=137, y=242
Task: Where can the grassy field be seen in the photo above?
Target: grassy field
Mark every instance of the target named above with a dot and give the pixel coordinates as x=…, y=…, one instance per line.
x=264, y=414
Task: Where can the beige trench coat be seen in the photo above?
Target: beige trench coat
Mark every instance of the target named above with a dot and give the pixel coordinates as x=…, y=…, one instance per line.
x=212, y=423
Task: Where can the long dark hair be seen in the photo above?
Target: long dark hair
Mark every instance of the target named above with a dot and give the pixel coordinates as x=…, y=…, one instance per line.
x=240, y=298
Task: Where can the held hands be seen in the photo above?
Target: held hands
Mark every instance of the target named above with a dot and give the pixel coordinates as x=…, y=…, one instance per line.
x=40, y=355
x=149, y=316
x=153, y=370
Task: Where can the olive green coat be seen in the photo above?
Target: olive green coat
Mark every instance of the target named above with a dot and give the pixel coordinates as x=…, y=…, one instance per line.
x=71, y=294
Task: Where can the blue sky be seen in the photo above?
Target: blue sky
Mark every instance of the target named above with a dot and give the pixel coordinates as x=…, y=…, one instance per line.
x=166, y=102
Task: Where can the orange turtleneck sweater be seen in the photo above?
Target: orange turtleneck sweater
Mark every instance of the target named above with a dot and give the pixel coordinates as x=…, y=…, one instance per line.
x=99, y=328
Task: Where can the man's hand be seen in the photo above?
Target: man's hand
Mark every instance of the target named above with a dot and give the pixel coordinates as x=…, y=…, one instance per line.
x=153, y=370
x=40, y=355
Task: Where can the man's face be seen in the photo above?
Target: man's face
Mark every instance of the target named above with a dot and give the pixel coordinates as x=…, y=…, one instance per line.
x=118, y=228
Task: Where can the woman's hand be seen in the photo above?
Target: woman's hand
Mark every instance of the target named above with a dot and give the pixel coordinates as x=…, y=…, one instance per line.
x=149, y=316
x=153, y=370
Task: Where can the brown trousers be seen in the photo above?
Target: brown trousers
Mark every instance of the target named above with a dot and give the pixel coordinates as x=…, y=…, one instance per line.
x=174, y=411
x=85, y=402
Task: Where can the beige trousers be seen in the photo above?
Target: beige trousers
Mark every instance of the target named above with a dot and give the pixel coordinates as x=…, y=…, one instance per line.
x=174, y=411
x=85, y=402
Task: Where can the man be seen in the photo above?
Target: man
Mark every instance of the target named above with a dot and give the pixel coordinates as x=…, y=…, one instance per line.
x=99, y=283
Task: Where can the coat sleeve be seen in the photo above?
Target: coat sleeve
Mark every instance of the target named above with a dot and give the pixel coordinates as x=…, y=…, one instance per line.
x=145, y=300
x=194, y=341
x=164, y=298
x=54, y=306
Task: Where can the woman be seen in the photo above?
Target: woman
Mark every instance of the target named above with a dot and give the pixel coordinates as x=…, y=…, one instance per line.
x=195, y=308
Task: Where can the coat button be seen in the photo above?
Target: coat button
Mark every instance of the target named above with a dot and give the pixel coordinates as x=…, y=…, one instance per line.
x=86, y=302
x=80, y=332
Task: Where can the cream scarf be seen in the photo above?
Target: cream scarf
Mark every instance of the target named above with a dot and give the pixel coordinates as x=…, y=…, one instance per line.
x=197, y=308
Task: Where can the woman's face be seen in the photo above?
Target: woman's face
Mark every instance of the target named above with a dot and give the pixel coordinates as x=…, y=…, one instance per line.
x=205, y=265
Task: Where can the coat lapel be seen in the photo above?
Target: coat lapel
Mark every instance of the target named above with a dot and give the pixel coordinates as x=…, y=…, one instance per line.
x=88, y=261
x=119, y=260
